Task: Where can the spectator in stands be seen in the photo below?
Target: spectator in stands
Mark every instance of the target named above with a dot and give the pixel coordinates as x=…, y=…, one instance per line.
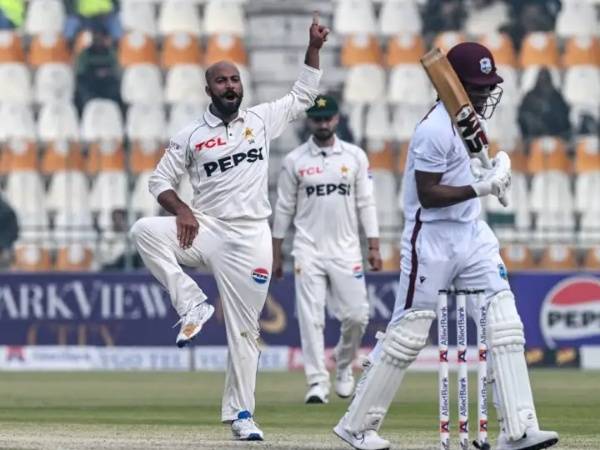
x=530, y=15
x=544, y=111
x=9, y=232
x=11, y=14
x=83, y=14
x=98, y=70
x=443, y=15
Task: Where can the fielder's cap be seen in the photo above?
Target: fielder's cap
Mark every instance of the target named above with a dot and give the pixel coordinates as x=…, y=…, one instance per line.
x=474, y=64
x=325, y=106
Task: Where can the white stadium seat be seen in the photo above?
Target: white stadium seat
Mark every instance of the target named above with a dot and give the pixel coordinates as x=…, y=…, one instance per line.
x=405, y=119
x=101, y=119
x=45, y=16
x=58, y=121
x=510, y=86
x=68, y=191
x=142, y=84
x=385, y=188
x=577, y=18
x=138, y=15
x=179, y=16
x=409, y=85
x=582, y=86
x=365, y=83
x=378, y=124
x=74, y=226
x=185, y=83
x=503, y=126
x=586, y=184
x=109, y=191
x=354, y=16
x=399, y=16
x=54, y=82
x=15, y=83
x=483, y=19
x=182, y=114
x=25, y=192
x=143, y=202
x=16, y=122
x=224, y=16
x=146, y=122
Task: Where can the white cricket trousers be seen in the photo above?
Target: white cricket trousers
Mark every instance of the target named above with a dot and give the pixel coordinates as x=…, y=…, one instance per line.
x=344, y=281
x=238, y=253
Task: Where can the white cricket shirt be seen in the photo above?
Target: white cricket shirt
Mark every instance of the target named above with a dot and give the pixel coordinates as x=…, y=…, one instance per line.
x=228, y=164
x=321, y=194
x=437, y=147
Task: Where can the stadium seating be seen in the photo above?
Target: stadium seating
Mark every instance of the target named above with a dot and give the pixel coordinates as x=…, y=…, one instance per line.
x=177, y=16
x=399, y=16
x=101, y=162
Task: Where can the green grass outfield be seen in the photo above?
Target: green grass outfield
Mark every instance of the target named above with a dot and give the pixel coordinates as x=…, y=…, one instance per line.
x=182, y=411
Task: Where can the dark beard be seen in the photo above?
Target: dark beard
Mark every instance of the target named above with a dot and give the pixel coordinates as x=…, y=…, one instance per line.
x=323, y=135
x=226, y=109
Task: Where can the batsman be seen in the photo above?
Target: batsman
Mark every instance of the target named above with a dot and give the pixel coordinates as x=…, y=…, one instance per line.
x=444, y=243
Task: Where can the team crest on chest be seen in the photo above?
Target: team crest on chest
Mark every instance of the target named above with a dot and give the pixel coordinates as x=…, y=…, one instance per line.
x=485, y=64
x=249, y=135
x=344, y=169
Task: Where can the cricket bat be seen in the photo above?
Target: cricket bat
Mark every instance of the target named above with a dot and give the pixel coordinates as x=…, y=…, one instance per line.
x=457, y=103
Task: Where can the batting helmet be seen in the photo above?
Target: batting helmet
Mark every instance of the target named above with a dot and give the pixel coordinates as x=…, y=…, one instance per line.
x=474, y=64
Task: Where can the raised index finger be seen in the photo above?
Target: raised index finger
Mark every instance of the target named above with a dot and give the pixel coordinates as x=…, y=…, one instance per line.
x=315, y=18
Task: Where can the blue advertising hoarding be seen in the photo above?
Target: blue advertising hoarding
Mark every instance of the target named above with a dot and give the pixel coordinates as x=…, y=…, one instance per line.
x=132, y=309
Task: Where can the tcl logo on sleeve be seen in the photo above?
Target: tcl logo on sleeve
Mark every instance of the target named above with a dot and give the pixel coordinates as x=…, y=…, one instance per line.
x=214, y=142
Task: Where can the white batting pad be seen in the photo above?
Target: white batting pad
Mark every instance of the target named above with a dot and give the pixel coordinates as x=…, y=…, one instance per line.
x=400, y=346
x=507, y=344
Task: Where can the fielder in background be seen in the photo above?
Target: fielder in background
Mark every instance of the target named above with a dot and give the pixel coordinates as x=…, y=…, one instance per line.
x=444, y=243
x=322, y=185
x=225, y=153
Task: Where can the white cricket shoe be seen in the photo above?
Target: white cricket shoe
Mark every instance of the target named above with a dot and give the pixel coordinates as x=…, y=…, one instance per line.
x=344, y=382
x=192, y=322
x=365, y=440
x=531, y=440
x=317, y=393
x=244, y=428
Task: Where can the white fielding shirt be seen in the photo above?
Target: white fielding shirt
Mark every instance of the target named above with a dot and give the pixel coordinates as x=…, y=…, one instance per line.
x=437, y=147
x=321, y=194
x=228, y=164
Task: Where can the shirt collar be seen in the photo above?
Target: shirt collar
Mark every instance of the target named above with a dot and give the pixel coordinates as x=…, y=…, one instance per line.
x=214, y=121
x=316, y=150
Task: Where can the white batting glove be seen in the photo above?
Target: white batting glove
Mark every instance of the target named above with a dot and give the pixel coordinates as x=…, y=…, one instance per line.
x=496, y=180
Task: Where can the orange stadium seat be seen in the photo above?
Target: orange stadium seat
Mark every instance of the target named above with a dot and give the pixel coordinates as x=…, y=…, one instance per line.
x=548, y=153
x=144, y=155
x=558, y=257
x=137, y=48
x=225, y=47
x=501, y=47
x=587, y=155
x=390, y=256
x=591, y=259
x=18, y=155
x=49, y=48
x=180, y=48
x=404, y=48
x=382, y=157
x=582, y=50
x=360, y=49
x=539, y=49
x=402, y=157
x=74, y=257
x=62, y=155
x=448, y=39
x=32, y=257
x=517, y=257
x=105, y=154
x=11, y=47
